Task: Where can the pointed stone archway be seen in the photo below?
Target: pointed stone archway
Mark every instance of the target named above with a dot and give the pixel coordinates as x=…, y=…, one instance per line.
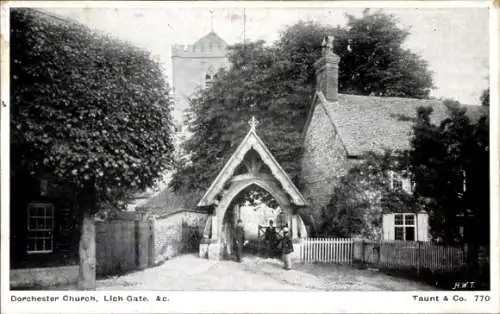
x=251, y=164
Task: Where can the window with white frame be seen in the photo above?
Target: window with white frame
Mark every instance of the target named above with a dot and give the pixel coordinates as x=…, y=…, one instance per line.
x=40, y=228
x=405, y=227
x=399, y=183
x=396, y=181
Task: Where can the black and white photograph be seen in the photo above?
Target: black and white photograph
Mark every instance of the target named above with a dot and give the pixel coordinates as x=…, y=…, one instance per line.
x=267, y=147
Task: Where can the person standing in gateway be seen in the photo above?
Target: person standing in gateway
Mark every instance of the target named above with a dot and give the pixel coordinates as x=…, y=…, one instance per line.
x=270, y=238
x=239, y=239
x=287, y=249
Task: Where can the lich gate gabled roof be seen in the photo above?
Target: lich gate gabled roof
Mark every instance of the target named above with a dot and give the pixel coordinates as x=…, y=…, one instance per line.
x=252, y=141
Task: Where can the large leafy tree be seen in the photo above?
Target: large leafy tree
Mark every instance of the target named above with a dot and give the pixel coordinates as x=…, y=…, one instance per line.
x=220, y=114
x=375, y=62
x=88, y=109
x=449, y=163
x=276, y=82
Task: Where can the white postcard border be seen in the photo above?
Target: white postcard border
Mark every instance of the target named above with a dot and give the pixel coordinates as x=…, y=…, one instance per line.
x=250, y=302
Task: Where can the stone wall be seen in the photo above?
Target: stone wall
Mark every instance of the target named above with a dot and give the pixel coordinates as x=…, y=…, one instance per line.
x=168, y=233
x=323, y=162
x=43, y=277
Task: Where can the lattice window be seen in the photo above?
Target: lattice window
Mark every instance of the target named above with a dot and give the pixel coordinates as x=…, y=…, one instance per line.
x=397, y=184
x=404, y=227
x=396, y=181
x=40, y=227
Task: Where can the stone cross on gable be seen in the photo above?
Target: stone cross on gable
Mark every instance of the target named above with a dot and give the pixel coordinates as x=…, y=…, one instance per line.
x=253, y=123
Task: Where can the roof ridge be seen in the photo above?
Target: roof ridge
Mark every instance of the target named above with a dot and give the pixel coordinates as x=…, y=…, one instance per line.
x=212, y=34
x=393, y=98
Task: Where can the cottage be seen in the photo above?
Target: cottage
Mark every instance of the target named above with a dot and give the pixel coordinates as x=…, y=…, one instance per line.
x=44, y=230
x=341, y=128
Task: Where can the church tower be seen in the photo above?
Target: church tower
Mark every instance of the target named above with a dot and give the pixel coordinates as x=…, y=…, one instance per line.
x=195, y=66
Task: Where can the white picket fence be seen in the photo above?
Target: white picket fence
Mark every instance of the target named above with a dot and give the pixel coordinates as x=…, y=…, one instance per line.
x=383, y=254
x=326, y=250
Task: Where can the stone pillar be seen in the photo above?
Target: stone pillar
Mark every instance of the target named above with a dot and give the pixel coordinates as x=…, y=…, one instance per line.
x=236, y=213
x=297, y=245
x=294, y=227
x=215, y=247
x=301, y=228
x=204, y=248
x=215, y=250
x=215, y=227
x=212, y=247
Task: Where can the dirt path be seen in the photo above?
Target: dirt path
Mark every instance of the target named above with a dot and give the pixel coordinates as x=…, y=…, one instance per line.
x=188, y=272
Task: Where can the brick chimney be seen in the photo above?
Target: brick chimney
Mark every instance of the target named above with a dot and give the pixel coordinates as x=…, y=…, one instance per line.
x=327, y=70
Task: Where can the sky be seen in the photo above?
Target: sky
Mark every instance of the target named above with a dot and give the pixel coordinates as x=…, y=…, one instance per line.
x=455, y=41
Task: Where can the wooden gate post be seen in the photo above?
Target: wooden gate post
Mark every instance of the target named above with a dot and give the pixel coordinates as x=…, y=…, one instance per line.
x=136, y=243
x=151, y=242
x=418, y=258
x=363, y=251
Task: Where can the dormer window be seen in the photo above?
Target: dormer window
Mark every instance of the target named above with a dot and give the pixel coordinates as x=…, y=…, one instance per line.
x=399, y=183
x=395, y=181
x=210, y=76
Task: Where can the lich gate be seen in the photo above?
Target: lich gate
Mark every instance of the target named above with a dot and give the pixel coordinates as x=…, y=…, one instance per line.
x=252, y=164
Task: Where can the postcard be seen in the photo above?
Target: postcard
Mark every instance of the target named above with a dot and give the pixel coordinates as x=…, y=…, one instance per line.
x=240, y=157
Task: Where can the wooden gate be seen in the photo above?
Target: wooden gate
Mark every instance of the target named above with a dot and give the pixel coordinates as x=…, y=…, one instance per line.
x=191, y=237
x=123, y=245
x=261, y=238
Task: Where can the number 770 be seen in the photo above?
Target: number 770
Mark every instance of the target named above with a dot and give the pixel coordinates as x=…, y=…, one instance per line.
x=481, y=298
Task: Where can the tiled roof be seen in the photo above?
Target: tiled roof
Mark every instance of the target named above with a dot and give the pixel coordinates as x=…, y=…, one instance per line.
x=167, y=202
x=368, y=123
